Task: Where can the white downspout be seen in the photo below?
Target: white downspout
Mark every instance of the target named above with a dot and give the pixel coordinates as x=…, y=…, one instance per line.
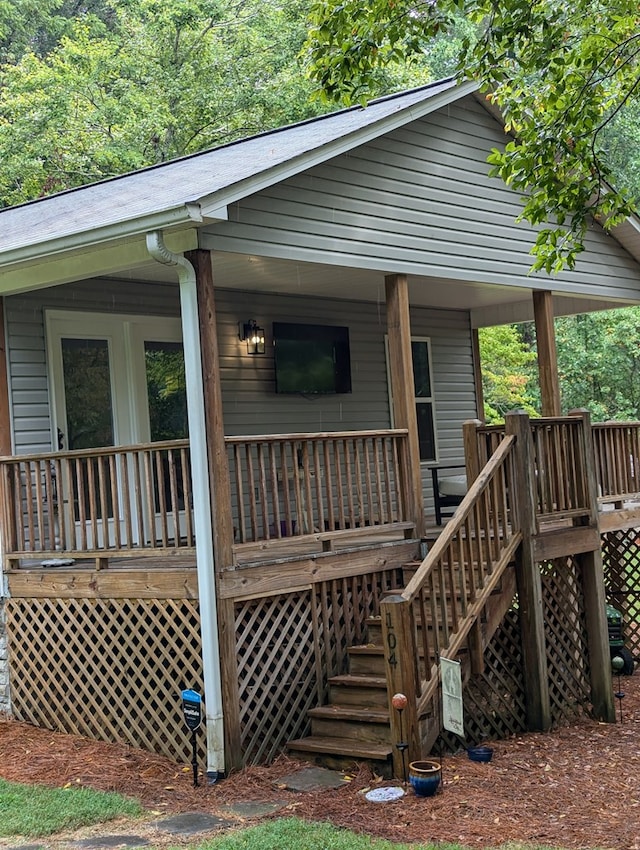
x=202, y=506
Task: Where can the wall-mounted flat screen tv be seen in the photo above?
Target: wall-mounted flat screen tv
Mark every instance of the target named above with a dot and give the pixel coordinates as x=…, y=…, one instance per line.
x=311, y=359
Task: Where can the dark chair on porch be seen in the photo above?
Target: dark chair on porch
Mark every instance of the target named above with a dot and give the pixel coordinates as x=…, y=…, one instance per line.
x=449, y=488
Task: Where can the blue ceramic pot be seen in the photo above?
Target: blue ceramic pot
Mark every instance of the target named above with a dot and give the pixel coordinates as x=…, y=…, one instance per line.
x=424, y=777
x=480, y=753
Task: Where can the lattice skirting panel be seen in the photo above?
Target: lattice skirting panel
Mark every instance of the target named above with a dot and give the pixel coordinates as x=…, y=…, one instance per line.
x=110, y=669
x=621, y=558
x=287, y=647
x=494, y=703
x=565, y=638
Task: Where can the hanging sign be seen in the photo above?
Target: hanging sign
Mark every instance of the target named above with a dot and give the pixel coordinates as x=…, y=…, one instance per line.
x=192, y=709
x=452, y=709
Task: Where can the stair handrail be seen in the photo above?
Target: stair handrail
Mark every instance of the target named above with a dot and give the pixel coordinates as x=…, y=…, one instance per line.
x=482, y=539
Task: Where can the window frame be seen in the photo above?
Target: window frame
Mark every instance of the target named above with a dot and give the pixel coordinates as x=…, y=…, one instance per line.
x=418, y=399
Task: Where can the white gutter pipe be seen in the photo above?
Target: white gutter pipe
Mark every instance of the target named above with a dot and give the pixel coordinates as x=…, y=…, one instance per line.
x=202, y=506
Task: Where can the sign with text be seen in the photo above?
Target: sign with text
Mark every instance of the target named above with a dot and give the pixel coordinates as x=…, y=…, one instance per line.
x=192, y=709
x=452, y=709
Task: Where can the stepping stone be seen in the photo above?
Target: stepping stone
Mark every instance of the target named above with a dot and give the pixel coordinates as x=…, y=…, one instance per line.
x=311, y=779
x=105, y=842
x=250, y=809
x=190, y=823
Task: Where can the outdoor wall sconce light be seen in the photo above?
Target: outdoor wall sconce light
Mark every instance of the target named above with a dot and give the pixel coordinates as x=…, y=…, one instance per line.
x=253, y=335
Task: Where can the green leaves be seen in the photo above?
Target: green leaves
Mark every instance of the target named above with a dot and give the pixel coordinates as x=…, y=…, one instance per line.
x=165, y=78
x=560, y=73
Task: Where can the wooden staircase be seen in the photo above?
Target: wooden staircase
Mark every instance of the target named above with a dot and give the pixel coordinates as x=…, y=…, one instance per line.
x=354, y=727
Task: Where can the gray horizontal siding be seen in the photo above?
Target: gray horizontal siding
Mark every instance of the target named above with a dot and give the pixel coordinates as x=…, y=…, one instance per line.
x=417, y=200
x=250, y=403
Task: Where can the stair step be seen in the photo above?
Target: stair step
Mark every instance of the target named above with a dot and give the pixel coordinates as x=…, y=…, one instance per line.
x=345, y=747
x=359, y=689
x=367, y=659
x=353, y=722
x=360, y=681
x=349, y=712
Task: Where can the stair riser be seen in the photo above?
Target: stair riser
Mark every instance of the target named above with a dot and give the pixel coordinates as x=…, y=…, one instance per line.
x=358, y=696
x=369, y=665
x=375, y=733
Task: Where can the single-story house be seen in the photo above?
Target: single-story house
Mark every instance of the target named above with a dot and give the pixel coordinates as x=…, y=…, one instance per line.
x=226, y=381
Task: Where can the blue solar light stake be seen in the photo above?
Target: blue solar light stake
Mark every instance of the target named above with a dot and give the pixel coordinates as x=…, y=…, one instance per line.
x=192, y=710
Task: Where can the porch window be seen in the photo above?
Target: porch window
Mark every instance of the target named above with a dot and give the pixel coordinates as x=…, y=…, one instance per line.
x=423, y=391
x=423, y=395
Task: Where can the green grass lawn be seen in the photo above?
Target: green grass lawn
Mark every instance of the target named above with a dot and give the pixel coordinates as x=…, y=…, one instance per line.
x=294, y=834
x=33, y=810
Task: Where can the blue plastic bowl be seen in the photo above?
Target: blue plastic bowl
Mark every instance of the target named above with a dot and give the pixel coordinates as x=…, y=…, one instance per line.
x=483, y=754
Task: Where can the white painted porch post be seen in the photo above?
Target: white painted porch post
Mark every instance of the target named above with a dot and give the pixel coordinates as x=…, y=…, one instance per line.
x=202, y=506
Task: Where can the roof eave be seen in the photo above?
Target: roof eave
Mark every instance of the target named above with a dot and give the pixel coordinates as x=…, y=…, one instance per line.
x=184, y=215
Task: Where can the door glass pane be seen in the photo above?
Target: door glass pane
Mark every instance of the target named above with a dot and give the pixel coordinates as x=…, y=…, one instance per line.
x=89, y=413
x=167, y=394
x=166, y=390
x=420, y=355
x=87, y=389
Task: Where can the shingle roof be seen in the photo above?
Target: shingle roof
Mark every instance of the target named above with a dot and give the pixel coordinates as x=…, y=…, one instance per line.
x=190, y=179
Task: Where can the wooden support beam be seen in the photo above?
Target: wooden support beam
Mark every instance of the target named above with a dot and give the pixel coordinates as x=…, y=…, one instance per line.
x=402, y=387
x=597, y=635
x=528, y=581
x=547, y=354
x=220, y=485
x=594, y=592
x=477, y=373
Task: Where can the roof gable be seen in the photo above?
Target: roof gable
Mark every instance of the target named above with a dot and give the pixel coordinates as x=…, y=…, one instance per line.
x=185, y=189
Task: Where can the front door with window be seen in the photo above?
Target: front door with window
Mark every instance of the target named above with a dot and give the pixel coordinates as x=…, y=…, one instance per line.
x=115, y=380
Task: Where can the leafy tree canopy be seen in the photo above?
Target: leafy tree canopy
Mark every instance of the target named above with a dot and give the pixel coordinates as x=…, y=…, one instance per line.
x=559, y=72
x=508, y=373
x=128, y=83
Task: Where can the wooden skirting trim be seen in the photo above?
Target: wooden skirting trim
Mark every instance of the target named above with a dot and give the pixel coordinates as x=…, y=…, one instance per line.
x=287, y=576
x=566, y=541
x=619, y=520
x=104, y=584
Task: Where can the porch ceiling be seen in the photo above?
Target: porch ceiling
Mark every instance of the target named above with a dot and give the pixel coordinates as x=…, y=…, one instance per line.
x=489, y=304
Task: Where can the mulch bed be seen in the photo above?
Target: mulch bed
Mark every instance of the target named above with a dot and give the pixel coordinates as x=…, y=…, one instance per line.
x=576, y=787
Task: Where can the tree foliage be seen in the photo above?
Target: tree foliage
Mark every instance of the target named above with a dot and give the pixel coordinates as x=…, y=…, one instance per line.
x=598, y=365
x=136, y=82
x=508, y=373
x=559, y=72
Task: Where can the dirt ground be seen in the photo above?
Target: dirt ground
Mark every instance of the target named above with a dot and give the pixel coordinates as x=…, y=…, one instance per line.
x=577, y=787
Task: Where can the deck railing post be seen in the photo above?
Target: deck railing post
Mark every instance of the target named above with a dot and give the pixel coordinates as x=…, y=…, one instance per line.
x=594, y=592
x=528, y=579
x=401, y=657
x=472, y=459
x=474, y=463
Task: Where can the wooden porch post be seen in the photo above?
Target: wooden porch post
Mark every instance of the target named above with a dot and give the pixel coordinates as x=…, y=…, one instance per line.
x=594, y=593
x=536, y=677
x=5, y=420
x=402, y=386
x=547, y=354
x=477, y=373
x=221, y=490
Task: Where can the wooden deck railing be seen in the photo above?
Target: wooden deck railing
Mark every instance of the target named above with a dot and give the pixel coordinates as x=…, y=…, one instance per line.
x=291, y=485
x=560, y=480
x=617, y=459
x=432, y=617
x=118, y=500
x=135, y=500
